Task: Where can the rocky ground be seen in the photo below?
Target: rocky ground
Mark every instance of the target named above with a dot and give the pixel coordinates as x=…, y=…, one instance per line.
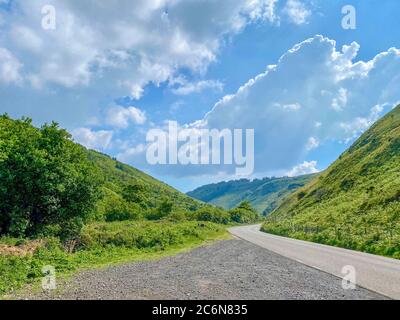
x=232, y=269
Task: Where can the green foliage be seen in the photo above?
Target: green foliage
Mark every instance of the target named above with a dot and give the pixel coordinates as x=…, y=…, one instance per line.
x=136, y=193
x=356, y=202
x=137, y=187
x=212, y=214
x=164, y=209
x=264, y=195
x=122, y=211
x=143, y=234
x=244, y=213
x=51, y=186
x=45, y=180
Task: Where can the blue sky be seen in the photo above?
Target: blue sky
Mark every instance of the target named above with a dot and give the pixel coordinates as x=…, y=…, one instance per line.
x=110, y=73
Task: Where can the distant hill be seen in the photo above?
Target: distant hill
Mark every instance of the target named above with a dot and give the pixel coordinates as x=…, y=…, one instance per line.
x=355, y=203
x=264, y=194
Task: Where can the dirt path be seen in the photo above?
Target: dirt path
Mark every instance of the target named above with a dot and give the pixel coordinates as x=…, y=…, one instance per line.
x=233, y=269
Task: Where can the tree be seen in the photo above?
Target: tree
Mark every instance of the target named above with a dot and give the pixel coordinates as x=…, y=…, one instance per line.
x=244, y=213
x=162, y=211
x=212, y=214
x=135, y=193
x=46, y=180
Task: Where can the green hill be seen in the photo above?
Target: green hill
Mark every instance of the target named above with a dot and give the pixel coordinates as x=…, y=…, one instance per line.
x=47, y=180
x=263, y=194
x=69, y=207
x=118, y=175
x=355, y=203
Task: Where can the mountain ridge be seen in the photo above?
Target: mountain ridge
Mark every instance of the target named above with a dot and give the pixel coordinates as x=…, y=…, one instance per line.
x=263, y=194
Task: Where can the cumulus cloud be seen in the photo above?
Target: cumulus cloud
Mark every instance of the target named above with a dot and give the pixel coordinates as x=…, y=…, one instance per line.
x=196, y=87
x=9, y=67
x=98, y=140
x=313, y=143
x=297, y=12
x=290, y=105
x=304, y=168
x=120, y=117
x=138, y=42
x=310, y=78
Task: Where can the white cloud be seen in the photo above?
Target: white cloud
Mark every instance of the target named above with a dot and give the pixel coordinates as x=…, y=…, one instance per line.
x=340, y=101
x=357, y=126
x=290, y=105
x=138, y=42
x=26, y=38
x=9, y=67
x=312, y=143
x=196, y=87
x=132, y=151
x=98, y=140
x=304, y=168
x=261, y=9
x=120, y=117
x=297, y=12
x=306, y=80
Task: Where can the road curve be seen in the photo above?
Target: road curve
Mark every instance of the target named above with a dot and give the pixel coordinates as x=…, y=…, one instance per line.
x=375, y=273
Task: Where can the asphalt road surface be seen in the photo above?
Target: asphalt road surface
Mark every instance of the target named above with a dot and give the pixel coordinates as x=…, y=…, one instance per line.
x=373, y=272
x=231, y=270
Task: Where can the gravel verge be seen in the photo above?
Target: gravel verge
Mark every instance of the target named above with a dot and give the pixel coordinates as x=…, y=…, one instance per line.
x=232, y=270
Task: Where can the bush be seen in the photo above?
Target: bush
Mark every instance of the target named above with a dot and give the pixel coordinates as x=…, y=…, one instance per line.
x=178, y=215
x=162, y=211
x=244, y=213
x=212, y=214
x=143, y=234
x=45, y=179
x=135, y=193
x=122, y=211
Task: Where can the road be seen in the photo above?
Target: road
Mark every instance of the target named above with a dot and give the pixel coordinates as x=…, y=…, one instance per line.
x=375, y=273
x=225, y=270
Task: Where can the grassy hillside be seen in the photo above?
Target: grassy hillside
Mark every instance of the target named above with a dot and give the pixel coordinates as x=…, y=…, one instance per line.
x=117, y=175
x=264, y=195
x=355, y=203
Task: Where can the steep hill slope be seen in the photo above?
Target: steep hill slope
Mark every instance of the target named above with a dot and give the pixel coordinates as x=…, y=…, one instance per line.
x=355, y=203
x=117, y=175
x=264, y=195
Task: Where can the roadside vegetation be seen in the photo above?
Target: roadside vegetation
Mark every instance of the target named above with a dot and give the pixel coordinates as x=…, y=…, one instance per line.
x=72, y=208
x=355, y=203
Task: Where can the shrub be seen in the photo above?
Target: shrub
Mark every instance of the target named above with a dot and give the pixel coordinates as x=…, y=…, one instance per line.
x=162, y=211
x=212, y=214
x=122, y=211
x=144, y=234
x=244, y=213
x=45, y=179
x=135, y=193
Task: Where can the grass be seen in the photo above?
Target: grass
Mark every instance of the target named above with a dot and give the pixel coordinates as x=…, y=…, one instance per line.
x=355, y=203
x=105, y=244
